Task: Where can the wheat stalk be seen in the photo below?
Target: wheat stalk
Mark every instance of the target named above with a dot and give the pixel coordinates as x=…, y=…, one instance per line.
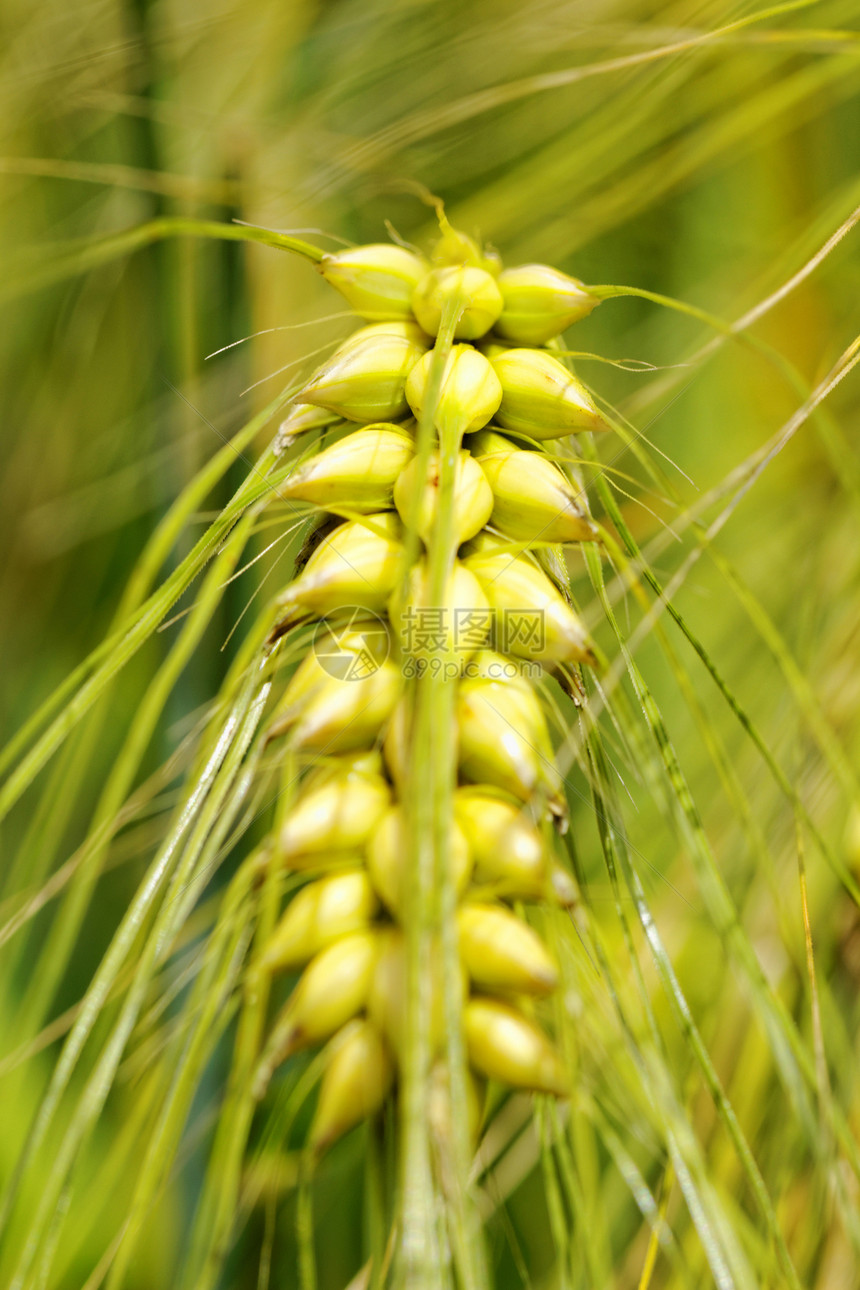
x=416, y=969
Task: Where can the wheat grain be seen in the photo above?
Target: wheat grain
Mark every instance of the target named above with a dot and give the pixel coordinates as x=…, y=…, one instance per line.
x=345, y=928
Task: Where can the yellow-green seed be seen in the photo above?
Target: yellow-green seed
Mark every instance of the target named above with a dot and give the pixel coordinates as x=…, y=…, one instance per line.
x=357, y=473
x=456, y=248
x=405, y=329
x=301, y=419
x=472, y=290
x=445, y=635
x=508, y=850
x=473, y=496
x=492, y=666
x=358, y=564
x=357, y=1080
x=503, y=736
x=347, y=651
x=387, y=859
x=365, y=380
x=348, y=714
x=333, y=988
x=504, y=1045
x=539, y=303
x=439, y=1103
x=377, y=281
x=533, y=621
x=337, y=815
x=395, y=744
x=324, y=769
x=502, y=953
x=470, y=391
x=540, y=397
x=318, y=916
x=533, y=500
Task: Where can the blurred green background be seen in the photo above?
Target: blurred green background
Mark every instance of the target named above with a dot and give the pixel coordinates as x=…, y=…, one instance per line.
x=701, y=151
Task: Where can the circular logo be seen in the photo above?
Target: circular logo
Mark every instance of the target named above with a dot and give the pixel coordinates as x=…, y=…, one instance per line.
x=354, y=647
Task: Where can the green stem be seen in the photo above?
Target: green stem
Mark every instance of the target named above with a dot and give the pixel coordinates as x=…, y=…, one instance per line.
x=90, y=253
x=432, y=911
x=175, y=879
x=439, y=693
x=420, y=1262
x=97, y=672
x=215, y=1215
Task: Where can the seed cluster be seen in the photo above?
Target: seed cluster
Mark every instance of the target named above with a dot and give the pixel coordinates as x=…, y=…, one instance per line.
x=499, y=394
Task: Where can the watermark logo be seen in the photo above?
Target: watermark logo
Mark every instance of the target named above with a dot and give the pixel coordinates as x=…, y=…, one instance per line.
x=522, y=631
x=438, y=641
x=431, y=640
x=447, y=669
x=425, y=631
x=354, y=647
